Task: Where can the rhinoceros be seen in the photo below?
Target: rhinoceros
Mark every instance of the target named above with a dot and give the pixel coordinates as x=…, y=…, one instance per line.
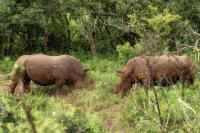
x=48, y=70
x=149, y=70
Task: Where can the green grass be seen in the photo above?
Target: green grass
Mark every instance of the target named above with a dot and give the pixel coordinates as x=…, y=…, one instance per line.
x=99, y=110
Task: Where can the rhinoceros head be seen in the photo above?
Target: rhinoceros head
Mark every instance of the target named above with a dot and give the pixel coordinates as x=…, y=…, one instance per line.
x=83, y=81
x=125, y=83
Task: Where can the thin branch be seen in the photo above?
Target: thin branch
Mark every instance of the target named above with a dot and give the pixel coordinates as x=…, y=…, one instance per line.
x=187, y=106
x=27, y=111
x=29, y=117
x=196, y=33
x=155, y=93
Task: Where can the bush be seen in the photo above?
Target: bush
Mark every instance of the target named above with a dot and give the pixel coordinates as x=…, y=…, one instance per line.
x=126, y=51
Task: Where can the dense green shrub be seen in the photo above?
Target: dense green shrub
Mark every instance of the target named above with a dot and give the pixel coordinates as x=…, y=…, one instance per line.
x=125, y=51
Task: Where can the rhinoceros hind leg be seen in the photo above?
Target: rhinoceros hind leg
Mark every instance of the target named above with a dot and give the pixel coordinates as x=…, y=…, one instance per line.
x=12, y=86
x=26, y=82
x=59, y=85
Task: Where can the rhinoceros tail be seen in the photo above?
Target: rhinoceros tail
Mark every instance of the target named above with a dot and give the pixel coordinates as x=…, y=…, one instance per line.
x=18, y=73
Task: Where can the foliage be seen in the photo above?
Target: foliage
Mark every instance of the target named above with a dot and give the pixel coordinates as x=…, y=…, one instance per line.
x=161, y=23
x=97, y=26
x=126, y=52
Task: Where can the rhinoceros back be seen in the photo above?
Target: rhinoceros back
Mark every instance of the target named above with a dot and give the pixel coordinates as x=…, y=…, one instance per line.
x=44, y=69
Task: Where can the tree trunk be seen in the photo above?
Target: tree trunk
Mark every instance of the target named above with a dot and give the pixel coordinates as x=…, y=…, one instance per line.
x=67, y=21
x=90, y=39
x=46, y=32
x=12, y=40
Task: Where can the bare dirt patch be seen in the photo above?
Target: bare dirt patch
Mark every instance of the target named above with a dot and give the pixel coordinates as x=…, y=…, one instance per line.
x=111, y=119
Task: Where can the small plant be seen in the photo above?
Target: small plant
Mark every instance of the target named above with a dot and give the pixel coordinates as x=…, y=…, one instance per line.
x=81, y=123
x=126, y=51
x=6, y=64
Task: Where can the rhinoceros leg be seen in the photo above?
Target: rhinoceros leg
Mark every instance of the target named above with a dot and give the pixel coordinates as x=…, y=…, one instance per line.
x=145, y=79
x=12, y=86
x=188, y=79
x=59, y=85
x=147, y=82
x=26, y=82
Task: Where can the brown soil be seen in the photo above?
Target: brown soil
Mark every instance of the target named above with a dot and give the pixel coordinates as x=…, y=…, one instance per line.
x=111, y=120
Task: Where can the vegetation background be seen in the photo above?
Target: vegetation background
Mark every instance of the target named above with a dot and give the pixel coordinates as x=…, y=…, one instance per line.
x=104, y=34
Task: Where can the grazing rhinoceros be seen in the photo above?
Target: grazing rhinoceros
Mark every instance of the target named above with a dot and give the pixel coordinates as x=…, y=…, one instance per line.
x=47, y=70
x=148, y=70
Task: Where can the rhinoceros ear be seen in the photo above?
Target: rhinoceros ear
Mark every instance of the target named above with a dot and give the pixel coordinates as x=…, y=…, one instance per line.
x=86, y=69
x=119, y=71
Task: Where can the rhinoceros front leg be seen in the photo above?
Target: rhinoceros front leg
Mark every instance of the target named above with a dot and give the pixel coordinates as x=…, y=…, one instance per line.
x=146, y=81
x=59, y=85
